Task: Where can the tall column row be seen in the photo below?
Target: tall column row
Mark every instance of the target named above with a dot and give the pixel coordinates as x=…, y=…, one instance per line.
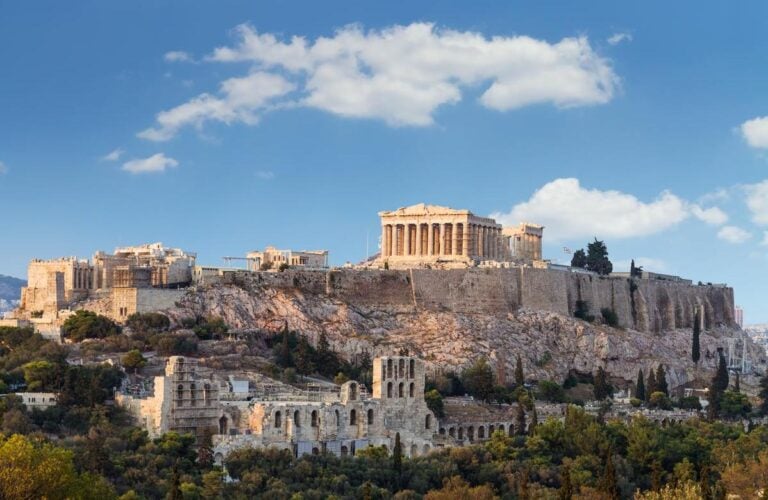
x=419, y=239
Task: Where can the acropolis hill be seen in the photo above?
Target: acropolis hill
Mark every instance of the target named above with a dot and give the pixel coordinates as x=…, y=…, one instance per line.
x=448, y=286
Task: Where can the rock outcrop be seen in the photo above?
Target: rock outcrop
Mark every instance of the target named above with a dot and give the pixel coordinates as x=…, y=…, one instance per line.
x=451, y=319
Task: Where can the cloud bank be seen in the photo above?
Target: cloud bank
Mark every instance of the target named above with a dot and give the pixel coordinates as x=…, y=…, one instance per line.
x=755, y=132
x=400, y=75
x=570, y=211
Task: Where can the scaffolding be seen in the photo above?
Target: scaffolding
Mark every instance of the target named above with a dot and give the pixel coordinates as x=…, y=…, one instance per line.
x=738, y=354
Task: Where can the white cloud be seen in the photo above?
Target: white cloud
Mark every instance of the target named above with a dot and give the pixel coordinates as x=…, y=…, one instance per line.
x=265, y=175
x=757, y=201
x=617, y=38
x=3, y=168
x=755, y=132
x=114, y=155
x=570, y=211
x=733, y=234
x=242, y=100
x=713, y=215
x=178, y=56
x=403, y=74
x=155, y=163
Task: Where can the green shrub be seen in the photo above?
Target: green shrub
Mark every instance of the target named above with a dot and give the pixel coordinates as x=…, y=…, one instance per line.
x=548, y=390
x=689, y=403
x=88, y=325
x=660, y=400
x=609, y=316
x=635, y=402
x=582, y=311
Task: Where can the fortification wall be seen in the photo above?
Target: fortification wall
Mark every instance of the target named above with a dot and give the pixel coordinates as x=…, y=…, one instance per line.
x=649, y=305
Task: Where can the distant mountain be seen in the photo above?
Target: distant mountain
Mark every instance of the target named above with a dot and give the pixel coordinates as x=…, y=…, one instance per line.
x=10, y=292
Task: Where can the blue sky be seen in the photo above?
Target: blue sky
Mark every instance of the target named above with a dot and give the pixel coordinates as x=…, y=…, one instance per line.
x=639, y=124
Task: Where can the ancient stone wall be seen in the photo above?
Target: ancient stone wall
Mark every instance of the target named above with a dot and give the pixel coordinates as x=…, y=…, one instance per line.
x=646, y=305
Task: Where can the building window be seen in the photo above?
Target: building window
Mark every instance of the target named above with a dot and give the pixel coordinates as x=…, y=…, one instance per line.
x=410, y=389
x=401, y=368
x=338, y=419
x=278, y=420
x=400, y=391
x=314, y=418
x=428, y=422
x=207, y=394
x=370, y=416
x=412, y=369
x=180, y=394
x=389, y=368
x=353, y=417
x=352, y=392
x=192, y=395
x=389, y=389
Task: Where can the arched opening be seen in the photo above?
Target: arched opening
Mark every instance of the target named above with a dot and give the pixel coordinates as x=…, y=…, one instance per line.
x=180, y=395
x=414, y=451
x=313, y=417
x=452, y=432
x=207, y=394
x=461, y=432
x=481, y=432
x=297, y=418
x=353, y=417
x=278, y=420
x=511, y=430
x=412, y=369
x=490, y=430
x=338, y=418
x=223, y=425
x=389, y=368
x=192, y=395
x=426, y=449
x=352, y=392
x=471, y=433
x=501, y=428
x=344, y=451
x=411, y=389
x=389, y=389
x=428, y=421
x=370, y=416
x=441, y=431
x=400, y=391
x=315, y=451
x=401, y=368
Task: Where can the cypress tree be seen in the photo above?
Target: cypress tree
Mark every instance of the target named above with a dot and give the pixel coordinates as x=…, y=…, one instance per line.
x=717, y=386
x=534, y=420
x=285, y=357
x=661, y=380
x=566, y=487
x=696, y=346
x=601, y=385
x=640, y=386
x=650, y=387
x=737, y=383
x=519, y=376
x=397, y=455
x=520, y=419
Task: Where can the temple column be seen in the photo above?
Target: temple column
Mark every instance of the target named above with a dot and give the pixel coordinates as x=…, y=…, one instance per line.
x=430, y=239
x=395, y=239
x=418, y=239
x=441, y=238
x=386, y=240
x=406, y=239
x=455, y=244
x=481, y=242
x=465, y=239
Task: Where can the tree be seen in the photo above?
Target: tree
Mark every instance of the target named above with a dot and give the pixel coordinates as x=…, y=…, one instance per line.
x=397, y=455
x=717, y=386
x=597, y=258
x=696, y=346
x=734, y=404
x=763, y=394
x=133, y=360
x=661, y=380
x=205, y=449
x=650, y=387
x=42, y=375
x=566, y=487
x=534, y=421
x=88, y=325
x=284, y=353
x=520, y=418
x=434, y=402
x=607, y=482
x=550, y=391
x=579, y=259
x=640, y=386
x=602, y=389
x=304, y=364
x=519, y=375
x=478, y=379
x=737, y=383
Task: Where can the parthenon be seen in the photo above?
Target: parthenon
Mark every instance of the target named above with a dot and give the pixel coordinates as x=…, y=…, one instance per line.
x=423, y=234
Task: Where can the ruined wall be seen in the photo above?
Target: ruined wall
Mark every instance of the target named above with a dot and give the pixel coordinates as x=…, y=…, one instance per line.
x=466, y=290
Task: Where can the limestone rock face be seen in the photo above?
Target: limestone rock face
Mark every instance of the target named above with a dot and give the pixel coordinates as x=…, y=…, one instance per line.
x=550, y=343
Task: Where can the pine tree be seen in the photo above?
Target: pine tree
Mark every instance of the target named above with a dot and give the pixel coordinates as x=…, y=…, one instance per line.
x=661, y=380
x=520, y=419
x=696, y=346
x=579, y=259
x=640, y=386
x=607, y=482
x=519, y=376
x=597, y=258
x=650, y=387
x=763, y=394
x=632, y=269
x=285, y=357
x=397, y=455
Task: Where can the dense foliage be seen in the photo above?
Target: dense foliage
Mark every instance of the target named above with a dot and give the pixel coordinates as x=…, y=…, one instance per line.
x=88, y=325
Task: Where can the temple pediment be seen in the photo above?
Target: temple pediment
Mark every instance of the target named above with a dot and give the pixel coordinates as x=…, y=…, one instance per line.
x=424, y=209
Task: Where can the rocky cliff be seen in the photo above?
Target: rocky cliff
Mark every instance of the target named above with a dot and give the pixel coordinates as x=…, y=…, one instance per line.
x=452, y=317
